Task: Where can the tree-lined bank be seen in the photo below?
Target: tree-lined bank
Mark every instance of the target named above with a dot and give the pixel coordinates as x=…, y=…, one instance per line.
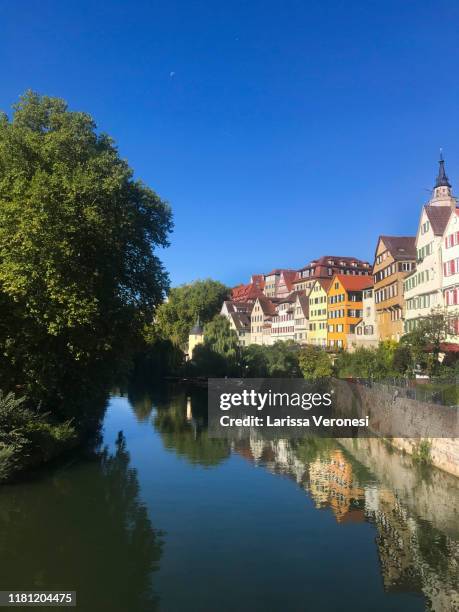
x=79, y=274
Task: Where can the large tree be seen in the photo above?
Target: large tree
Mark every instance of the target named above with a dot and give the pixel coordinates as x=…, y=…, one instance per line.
x=79, y=276
x=202, y=298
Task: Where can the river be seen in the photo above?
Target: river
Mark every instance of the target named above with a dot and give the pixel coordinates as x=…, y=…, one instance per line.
x=161, y=517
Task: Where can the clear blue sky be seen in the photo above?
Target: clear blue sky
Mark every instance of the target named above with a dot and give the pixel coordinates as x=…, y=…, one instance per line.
x=278, y=131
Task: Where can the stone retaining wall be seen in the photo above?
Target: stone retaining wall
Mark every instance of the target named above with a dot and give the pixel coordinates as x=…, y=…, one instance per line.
x=410, y=425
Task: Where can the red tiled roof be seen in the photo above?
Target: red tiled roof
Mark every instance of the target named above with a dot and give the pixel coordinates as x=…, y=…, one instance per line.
x=354, y=283
x=289, y=277
x=243, y=293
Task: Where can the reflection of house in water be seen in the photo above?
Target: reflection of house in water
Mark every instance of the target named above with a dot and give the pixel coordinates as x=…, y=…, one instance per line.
x=415, y=557
x=331, y=484
x=416, y=554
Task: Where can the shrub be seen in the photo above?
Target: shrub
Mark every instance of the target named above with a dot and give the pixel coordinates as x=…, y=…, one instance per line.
x=26, y=437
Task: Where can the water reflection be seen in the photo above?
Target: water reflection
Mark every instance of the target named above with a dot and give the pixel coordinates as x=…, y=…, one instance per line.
x=82, y=527
x=179, y=415
x=415, y=512
x=237, y=538
x=416, y=518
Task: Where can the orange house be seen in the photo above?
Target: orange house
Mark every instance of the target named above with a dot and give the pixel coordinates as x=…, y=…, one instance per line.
x=344, y=297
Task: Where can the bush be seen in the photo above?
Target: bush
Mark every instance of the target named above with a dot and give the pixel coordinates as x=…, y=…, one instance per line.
x=27, y=438
x=315, y=364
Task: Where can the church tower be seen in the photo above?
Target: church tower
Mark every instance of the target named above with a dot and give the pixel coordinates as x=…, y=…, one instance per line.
x=195, y=337
x=442, y=194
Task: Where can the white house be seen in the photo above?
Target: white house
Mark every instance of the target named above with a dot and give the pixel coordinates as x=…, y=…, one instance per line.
x=423, y=288
x=450, y=284
x=366, y=331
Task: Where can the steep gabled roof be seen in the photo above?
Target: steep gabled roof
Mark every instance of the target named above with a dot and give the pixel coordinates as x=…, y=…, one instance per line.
x=268, y=306
x=438, y=217
x=289, y=277
x=400, y=247
x=324, y=283
x=304, y=303
x=241, y=320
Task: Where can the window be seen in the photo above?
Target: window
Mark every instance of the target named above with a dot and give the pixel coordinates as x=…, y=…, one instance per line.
x=451, y=240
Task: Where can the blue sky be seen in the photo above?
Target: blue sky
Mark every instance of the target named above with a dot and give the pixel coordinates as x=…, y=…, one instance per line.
x=278, y=131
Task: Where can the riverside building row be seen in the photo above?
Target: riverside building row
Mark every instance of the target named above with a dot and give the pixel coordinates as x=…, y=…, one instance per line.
x=344, y=302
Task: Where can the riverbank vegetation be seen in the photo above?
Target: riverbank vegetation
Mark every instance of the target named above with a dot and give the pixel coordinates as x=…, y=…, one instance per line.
x=418, y=352
x=79, y=275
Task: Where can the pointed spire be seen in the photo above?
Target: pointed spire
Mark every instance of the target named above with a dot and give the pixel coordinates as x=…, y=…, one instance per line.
x=197, y=328
x=442, y=179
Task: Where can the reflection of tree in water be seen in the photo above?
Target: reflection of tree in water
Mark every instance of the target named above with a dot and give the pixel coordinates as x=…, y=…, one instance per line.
x=110, y=550
x=186, y=433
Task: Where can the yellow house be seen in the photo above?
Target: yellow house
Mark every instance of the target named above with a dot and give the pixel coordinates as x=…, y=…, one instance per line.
x=317, y=334
x=345, y=307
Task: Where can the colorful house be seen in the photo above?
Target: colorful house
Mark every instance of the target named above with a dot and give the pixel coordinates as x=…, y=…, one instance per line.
x=345, y=307
x=283, y=320
x=301, y=311
x=238, y=315
x=317, y=298
x=260, y=320
x=395, y=259
x=326, y=266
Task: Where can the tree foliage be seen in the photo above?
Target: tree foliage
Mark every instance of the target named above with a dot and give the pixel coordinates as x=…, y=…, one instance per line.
x=221, y=338
x=425, y=340
x=219, y=355
x=79, y=276
x=279, y=360
x=176, y=316
x=315, y=364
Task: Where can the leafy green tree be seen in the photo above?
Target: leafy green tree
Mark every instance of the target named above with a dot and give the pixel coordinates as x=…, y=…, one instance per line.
x=402, y=360
x=307, y=361
x=207, y=362
x=430, y=332
x=324, y=367
x=315, y=364
x=255, y=361
x=221, y=338
x=202, y=298
x=282, y=360
x=219, y=355
x=384, y=358
x=79, y=276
